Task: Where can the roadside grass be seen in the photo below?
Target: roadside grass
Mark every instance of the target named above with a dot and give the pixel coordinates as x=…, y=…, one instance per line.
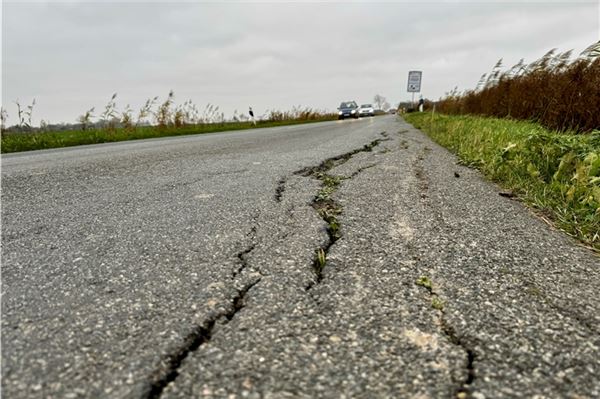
x=22, y=141
x=556, y=173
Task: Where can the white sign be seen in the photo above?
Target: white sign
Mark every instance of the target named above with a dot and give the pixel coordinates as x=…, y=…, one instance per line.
x=414, y=81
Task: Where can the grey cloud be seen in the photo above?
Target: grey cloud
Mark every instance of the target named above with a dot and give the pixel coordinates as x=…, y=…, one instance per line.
x=72, y=56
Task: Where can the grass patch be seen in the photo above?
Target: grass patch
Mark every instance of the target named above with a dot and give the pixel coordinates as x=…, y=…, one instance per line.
x=15, y=142
x=558, y=174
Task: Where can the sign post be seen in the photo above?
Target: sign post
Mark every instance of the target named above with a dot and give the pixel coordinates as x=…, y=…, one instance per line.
x=414, y=83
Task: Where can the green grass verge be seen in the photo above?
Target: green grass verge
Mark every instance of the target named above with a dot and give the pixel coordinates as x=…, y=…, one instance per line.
x=15, y=142
x=558, y=174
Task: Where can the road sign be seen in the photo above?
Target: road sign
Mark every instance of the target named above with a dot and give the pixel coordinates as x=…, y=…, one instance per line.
x=414, y=81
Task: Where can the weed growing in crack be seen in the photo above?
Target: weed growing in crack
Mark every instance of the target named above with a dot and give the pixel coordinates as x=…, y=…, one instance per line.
x=333, y=226
x=325, y=205
x=424, y=281
x=320, y=261
x=330, y=184
x=437, y=303
x=331, y=181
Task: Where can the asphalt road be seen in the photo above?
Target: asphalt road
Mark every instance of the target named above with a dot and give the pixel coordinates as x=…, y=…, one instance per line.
x=185, y=267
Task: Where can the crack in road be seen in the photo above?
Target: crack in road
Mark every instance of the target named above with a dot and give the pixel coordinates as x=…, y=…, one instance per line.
x=362, y=169
x=332, y=162
x=243, y=255
x=464, y=389
x=327, y=209
x=326, y=206
x=280, y=189
x=242, y=258
x=201, y=335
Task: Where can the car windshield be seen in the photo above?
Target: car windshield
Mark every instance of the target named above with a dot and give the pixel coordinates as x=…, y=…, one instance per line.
x=348, y=105
x=366, y=106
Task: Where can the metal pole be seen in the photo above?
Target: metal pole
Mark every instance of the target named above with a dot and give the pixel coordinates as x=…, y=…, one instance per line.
x=413, y=100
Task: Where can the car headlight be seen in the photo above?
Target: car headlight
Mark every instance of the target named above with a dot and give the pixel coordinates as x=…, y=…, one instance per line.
x=353, y=111
x=339, y=113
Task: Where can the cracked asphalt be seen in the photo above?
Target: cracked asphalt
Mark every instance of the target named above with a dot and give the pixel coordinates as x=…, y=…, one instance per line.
x=185, y=267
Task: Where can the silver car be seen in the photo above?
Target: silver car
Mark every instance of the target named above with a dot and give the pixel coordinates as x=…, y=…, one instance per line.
x=366, y=110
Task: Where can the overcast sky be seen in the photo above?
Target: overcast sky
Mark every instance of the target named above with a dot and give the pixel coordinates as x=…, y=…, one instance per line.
x=71, y=56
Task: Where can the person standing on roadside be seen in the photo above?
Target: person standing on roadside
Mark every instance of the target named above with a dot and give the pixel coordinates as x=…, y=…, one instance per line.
x=421, y=104
x=252, y=115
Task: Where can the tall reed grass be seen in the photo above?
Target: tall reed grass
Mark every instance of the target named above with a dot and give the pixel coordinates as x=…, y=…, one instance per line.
x=154, y=119
x=556, y=91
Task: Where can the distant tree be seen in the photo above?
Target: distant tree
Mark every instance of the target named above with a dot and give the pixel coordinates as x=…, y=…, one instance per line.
x=379, y=101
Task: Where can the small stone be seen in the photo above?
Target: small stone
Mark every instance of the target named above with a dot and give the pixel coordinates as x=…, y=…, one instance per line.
x=247, y=383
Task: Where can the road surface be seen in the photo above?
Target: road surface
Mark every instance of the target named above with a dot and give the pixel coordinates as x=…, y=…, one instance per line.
x=189, y=267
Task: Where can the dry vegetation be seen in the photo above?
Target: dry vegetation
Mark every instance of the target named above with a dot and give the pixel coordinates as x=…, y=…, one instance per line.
x=560, y=93
x=154, y=119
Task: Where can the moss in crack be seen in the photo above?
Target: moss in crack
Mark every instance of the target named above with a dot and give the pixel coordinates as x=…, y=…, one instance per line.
x=327, y=208
x=425, y=281
x=437, y=303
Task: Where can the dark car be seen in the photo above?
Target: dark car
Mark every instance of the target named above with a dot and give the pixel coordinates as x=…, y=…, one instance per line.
x=348, y=109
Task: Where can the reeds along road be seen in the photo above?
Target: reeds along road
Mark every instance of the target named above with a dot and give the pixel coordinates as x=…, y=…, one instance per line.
x=559, y=92
x=185, y=267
